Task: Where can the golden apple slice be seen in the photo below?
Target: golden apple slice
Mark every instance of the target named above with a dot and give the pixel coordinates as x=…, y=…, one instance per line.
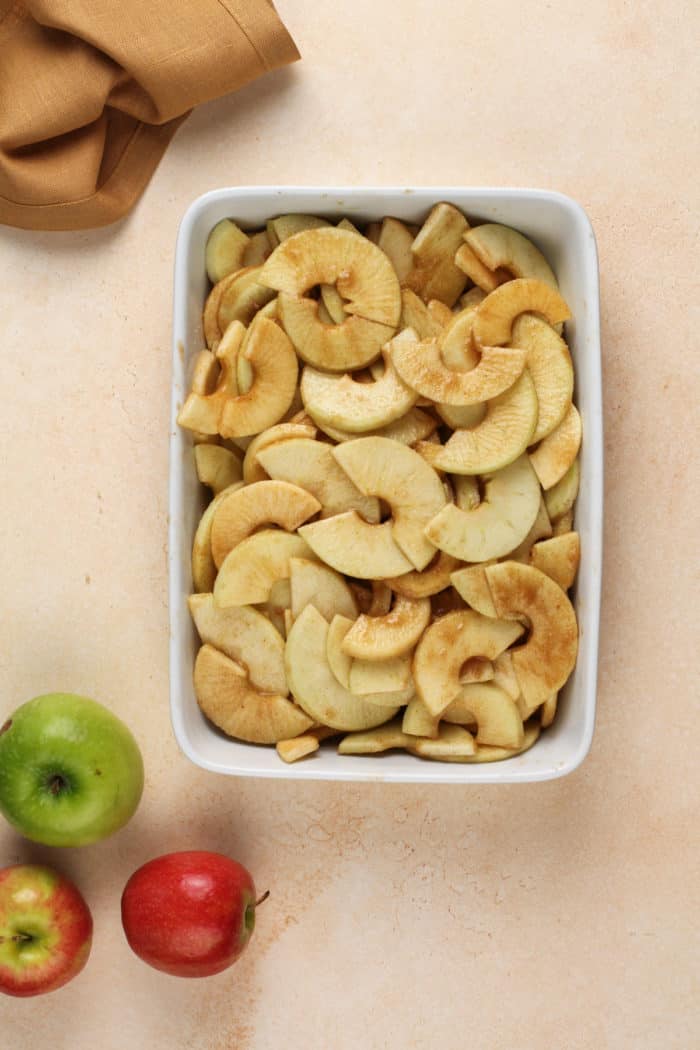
x=395, y=240
x=421, y=366
x=380, y=676
x=336, y=347
x=248, y=573
x=360, y=270
x=205, y=376
x=203, y=567
x=320, y=586
x=471, y=583
x=252, y=469
x=277, y=607
x=453, y=743
x=562, y=496
x=418, y=721
x=549, y=364
x=334, y=304
x=415, y=315
x=495, y=315
x=341, y=401
x=225, y=248
x=210, y=316
x=431, y=580
x=489, y=753
x=229, y=700
x=409, y=428
x=504, y=675
x=469, y=263
x=257, y=249
x=374, y=741
x=501, y=521
x=352, y=546
x=555, y=453
x=244, y=635
x=563, y=524
x=313, y=684
x=274, y=363
x=495, y=714
x=541, y=529
x=500, y=246
x=395, y=473
x=446, y=646
x=339, y=661
x=498, y=440
x=434, y=274
x=264, y=503
x=217, y=467
x=395, y=633
x=463, y=417
x=440, y=313
x=472, y=298
x=478, y=669
x=306, y=744
x=311, y=465
x=242, y=297
x=455, y=342
x=203, y=412
x=548, y=657
x=285, y=226
x=558, y=558
x=549, y=710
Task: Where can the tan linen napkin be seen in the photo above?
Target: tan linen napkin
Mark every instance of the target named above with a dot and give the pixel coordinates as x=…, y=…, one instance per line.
x=92, y=91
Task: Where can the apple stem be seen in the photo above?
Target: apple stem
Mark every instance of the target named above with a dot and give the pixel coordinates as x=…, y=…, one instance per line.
x=263, y=897
x=56, y=784
x=21, y=938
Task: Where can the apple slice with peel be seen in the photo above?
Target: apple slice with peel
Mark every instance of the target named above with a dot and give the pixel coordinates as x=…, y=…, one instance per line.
x=306, y=744
x=360, y=270
x=499, y=439
x=558, y=558
x=421, y=366
x=548, y=657
x=499, y=246
x=203, y=566
x=414, y=426
x=381, y=676
x=353, y=343
x=431, y=580
x=473, y=586
x=226, y=245
x=501, y=521
x=242, y=297
x=434, y=274
x=265, y=502
x=395, y=240
x=453, y=743
x=339, y=661
x=244, y=635
x=391, y=635
x=418, y=721
x=446, y=646
x=217, y=467
x=229, y=700
x=252, y=469
x=490, y=753
x=549, y=364
x=315, y=687
x=202, y=412
x=374, y=741
x=275, y=370
x=495, y=713
x=352, y=546
x=247, y=574
x=549, y=710
x=562, y=496
x=320, y=586
x=469, y=263
x=495, y=315
x=555, y=453
x=341, y=401
x=311, y=465
x=393, y=472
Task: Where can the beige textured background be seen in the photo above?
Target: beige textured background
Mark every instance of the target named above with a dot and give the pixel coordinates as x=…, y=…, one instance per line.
x=553, y=916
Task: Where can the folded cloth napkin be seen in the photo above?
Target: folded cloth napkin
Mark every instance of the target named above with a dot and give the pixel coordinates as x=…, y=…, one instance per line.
x=92, y=91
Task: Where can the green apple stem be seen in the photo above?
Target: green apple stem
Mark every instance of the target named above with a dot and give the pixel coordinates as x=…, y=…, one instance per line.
x=263, y=897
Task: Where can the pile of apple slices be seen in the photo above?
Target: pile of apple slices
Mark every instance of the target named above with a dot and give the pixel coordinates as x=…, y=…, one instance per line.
x=394, y=462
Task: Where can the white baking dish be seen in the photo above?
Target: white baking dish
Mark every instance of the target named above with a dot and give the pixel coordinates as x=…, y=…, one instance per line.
x=560, y=227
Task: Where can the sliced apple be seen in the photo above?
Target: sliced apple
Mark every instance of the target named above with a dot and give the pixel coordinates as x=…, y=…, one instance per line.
x=495, y=315
x=562, y=496
x=395, y=240
x=247, y=574
x=563, y=524
x=252, y=469
x=452, y=743
x=501, y=521
x=244, y=635
x=431, y=580
x=470, y=264
x=472, y=298
x=549, y=711
x=217, y=467
x=421, y=366
x=382, y=597
x=548, y=657
x=339, y=661
x=440, y=312
x=466, y=491
x=415, y=315
x=374, y=741
x=447, y=644
x=473, y=586
x=558, y=557
x=302, y=746
x=322, y=587
x=434, y=274
x=555, y=453
x=414, y=426
x=311, y=465
x=549, y=364
x=277, y=607
x=336, y=347
x=372, y=231
x=494, y=712
x=463, y=417
x=352, y=546
x=504, y=675
x=541, y=529
x=395, y=473
x=313, y=684
x=203, y=566
x=478, y=669
x=225, y=248
x=489, y=753
x=395, y=633
x=274, y=363
x=334, y=304
x=500, y=246
x=381, y=676
x=242, y=297
x=257, y=249
x=264, y=503
x=203, y=411
x=285, y=226
x=210, y=316
x=418, y=721
x=227, y=697
x=360, y=270
x=455, y=342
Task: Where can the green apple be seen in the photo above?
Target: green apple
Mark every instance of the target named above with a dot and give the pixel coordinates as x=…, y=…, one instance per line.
x=70, y=771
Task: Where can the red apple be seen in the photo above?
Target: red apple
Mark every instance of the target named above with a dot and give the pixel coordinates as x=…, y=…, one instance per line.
x=45, y=930
x=189, y=914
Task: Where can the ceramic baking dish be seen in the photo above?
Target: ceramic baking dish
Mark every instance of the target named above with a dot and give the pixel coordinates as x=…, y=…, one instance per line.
x=561, y=229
